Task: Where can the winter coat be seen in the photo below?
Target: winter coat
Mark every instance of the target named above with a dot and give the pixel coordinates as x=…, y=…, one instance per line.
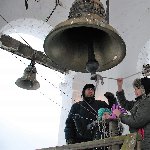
x=80, y=116
x=139, y=118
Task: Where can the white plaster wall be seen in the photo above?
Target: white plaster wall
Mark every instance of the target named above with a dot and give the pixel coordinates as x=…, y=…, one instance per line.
x=67, y=101
x=130, y=18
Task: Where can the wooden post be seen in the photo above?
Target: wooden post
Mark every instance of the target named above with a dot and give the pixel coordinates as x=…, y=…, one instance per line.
x=138, y=143
x=129, y=142
x=113, y=130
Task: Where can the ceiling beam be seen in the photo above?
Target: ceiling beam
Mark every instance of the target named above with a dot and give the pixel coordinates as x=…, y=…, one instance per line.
x=11, y=45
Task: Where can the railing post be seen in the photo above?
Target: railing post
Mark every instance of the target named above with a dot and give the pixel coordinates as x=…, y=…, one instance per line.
x=130, y=142
x=138, y=143
x=113, y=130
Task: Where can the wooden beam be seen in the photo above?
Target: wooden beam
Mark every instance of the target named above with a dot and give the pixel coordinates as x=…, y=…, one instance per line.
x=90, y=144
x=11, y=45
x=129, y=141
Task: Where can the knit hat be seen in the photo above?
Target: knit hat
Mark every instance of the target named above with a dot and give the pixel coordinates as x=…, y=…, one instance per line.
x=86, y=87
x=101, y=111
x=143, y=83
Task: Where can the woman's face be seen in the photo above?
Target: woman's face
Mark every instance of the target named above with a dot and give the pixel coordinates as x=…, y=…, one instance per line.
x=137, y=91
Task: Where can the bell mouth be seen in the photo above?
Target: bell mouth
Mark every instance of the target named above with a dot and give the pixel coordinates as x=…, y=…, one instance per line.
x=28, y=80
x=27, y=84
x=67, y=44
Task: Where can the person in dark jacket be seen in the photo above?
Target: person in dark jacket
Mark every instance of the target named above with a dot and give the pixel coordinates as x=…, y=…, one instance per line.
x=139, y=120
x=82, y=114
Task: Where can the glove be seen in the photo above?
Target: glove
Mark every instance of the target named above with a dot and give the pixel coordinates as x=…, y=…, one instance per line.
x=113, y=116
x=117, y=106
x=110, y=96
x=123, y=111
x=70, y=141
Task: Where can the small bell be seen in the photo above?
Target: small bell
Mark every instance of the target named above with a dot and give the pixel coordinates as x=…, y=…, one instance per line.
x=28, y=80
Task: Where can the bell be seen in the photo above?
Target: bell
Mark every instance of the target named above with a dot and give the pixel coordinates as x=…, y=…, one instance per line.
x=28, y=81
x=85, y=42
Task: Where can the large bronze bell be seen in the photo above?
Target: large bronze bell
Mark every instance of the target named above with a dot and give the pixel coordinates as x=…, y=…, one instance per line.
x=85, y=42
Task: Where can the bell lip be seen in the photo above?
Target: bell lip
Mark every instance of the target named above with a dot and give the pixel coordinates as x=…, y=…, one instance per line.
x=88, y=21
x=32, y=88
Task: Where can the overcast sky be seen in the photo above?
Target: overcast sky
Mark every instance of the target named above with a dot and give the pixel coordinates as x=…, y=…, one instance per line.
x=28, y=119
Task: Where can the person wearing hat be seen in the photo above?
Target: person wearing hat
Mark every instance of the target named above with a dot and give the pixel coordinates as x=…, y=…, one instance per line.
x=139, y=119
x=102, y=128
x=82, y=114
